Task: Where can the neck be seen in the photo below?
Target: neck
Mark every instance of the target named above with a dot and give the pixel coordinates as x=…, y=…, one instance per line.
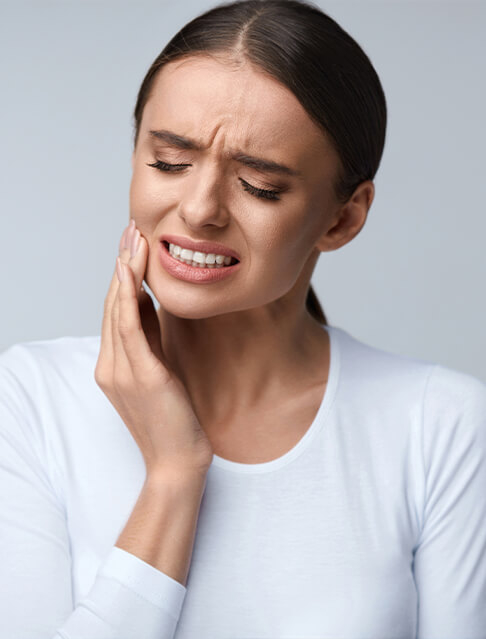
x=233, y=363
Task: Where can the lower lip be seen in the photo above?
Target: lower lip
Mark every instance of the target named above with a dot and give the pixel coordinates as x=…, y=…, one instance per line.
x=197, y=274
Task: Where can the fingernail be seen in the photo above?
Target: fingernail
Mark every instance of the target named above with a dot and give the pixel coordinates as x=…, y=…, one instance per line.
x=134, y=244
x=130, y=231
x=119, y=269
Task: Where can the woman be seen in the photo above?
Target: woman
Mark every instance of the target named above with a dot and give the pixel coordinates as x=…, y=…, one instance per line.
x=230, y=465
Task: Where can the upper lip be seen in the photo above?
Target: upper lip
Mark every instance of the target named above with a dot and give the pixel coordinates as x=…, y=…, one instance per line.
x=197, y=245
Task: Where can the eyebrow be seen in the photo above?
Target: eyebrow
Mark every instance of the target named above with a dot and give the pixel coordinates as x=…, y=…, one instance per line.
x=268, y=166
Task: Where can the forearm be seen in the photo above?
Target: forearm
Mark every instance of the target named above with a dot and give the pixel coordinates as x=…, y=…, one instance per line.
x=162, y=526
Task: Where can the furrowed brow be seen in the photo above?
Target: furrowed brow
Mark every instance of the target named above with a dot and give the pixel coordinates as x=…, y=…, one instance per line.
x=267, y=166
x=175, y=140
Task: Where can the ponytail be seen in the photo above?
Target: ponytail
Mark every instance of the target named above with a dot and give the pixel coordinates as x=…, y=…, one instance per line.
x=314, y=307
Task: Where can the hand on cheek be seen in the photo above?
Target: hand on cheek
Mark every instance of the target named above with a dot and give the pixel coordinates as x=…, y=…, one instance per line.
x=134, y=374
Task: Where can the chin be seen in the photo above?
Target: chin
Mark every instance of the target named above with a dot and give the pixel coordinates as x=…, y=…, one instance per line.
x=183, y=307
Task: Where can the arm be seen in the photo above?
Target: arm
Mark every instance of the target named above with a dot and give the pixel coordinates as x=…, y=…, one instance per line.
x=162, y=526
x=129, y=598
x=159, y=537
x=450, y=555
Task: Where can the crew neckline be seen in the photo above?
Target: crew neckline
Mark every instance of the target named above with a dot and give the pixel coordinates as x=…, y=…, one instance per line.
x=304, y=441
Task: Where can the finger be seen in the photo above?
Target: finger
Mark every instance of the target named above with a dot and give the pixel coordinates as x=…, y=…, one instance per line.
x=138, y=255
x=137, y=349
x=148, y=315
x=123, y=240
x=121, y=366
x=113, y=287
x=104, y=365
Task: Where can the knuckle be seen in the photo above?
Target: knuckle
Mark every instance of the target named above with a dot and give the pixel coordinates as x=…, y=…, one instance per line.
x=101, y=378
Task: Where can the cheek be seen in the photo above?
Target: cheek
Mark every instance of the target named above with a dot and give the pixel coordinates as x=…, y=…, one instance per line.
x=138, y=192
x=278, y=254
x=147, y=199
x=283, y=238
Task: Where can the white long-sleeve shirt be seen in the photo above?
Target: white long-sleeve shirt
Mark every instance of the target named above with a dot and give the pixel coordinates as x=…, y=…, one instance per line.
x=373, y=526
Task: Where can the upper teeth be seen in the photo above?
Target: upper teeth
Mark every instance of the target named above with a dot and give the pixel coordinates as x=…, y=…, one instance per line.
x=198, y=256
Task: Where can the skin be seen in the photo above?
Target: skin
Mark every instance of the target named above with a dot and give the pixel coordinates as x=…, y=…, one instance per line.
x=247, y=344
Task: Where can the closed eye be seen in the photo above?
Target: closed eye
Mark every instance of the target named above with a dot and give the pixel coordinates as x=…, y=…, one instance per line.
x=261, y=193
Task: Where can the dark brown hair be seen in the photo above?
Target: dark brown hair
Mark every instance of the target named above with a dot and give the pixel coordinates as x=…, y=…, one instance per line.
x=308, y=52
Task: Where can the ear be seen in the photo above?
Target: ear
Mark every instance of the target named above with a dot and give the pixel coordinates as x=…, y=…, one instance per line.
x=133, y=161
x=348, y=220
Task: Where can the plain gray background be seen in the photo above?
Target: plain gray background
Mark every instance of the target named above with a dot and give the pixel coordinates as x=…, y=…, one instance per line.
x=412, y=282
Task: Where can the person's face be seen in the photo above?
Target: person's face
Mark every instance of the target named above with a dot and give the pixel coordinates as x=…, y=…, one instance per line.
x=227, y=109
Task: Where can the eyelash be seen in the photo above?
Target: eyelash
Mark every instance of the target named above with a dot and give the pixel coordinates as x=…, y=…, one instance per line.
x=261, y=193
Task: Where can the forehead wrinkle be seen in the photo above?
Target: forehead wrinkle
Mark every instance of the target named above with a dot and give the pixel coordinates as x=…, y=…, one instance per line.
x=263, y=164
x=236, y=117
x=237, y=99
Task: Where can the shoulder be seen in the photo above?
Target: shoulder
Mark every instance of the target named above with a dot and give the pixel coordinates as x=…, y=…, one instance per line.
x=377, y=376
x=31, y=361
x=43, y=384
x=51, y=350
x=454, y=413
x=435, y=393
x=450, y=390
x=38, y=375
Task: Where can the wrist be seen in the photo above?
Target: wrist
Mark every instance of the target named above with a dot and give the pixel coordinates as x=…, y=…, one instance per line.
x=176, y=479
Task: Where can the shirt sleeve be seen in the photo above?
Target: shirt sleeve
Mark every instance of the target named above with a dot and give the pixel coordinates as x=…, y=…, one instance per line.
x=450, y=556
x=129, y=598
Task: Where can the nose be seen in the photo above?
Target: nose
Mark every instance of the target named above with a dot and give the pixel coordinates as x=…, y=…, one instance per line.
x=202, y=202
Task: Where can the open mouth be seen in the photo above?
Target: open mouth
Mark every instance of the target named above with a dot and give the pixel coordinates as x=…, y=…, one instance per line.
x=197, y=264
